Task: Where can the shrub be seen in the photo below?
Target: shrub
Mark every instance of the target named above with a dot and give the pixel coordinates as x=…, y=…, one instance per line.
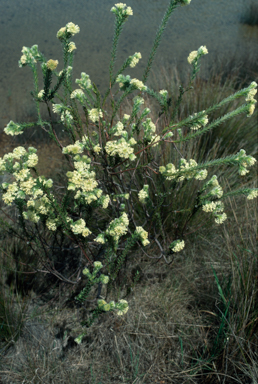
x=119, y=182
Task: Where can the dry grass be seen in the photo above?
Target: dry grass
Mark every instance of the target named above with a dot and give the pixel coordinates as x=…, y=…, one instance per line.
x=176, y=331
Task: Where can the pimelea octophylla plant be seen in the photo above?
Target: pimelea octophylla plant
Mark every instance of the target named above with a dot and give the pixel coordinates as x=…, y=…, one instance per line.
x=111, y=200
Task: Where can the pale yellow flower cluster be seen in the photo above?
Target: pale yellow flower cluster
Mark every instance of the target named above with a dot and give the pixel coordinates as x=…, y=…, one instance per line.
x=201, y=175
x=124, y=81
x=84, y=82
x=119, y=129
x=52, y=64
x=28, y=55
x=209, y=207
x=155, y=141
x=89, y=197
x=66, y=32
x=215, y=189
x=41, y=94
x=192, y=56
x=126, y=117
x=66, y=117
x=122, y=7
x=10, y=195
x=100, y=239
x=202, y=50
x=118, y=227
x=244, y=161
x=61, y=33
x=71, y=46
x=250, y=98
x=78, y=94
x=195, y=54
x=215, y=207
x=105, y=201
x=149, y=130
x=72, y=28
x=58, y=108
x=95, y=114
x=143, y=235
x=177, y=245
x=121, y=148
x=164, y=92
x=18, y=152
x=198, y=122
x=73, y=149
x=135, y=59
x=24, y=184
x=217, y=192
x=171, y=173
x=138, y=84
x=13, y=129
x=42, y=206
x=251, y=94
x=97, y=148
x=221, y=218
x=2, y=165
x=22, y=174
x=253, y=194
x=52, y=224
x=82, y=178
x=79, y=227
x=93, y=276
x=143, y=194
x=122, y=306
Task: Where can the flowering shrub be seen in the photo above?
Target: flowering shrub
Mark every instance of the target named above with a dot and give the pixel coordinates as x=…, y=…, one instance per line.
x=111, y=201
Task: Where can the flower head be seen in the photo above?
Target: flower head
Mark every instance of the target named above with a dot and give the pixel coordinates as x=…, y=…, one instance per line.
x=52, y=64
x=196, y=54
x=220, y=218
x=122, y=9
x=164, y=92
x=143, y=235
x=122, y=307
x=95, y=114
x=177, y=245
x=135, y=59
x=32, y=160
x=41, y=94
x=72, y=28
x=71, y=46
x=202, y=50
x=84, y=82
x=138, y=84
x=251, y=107
x=13, y=129
x=251, y=195
x=61, y=33
x=192, y=56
